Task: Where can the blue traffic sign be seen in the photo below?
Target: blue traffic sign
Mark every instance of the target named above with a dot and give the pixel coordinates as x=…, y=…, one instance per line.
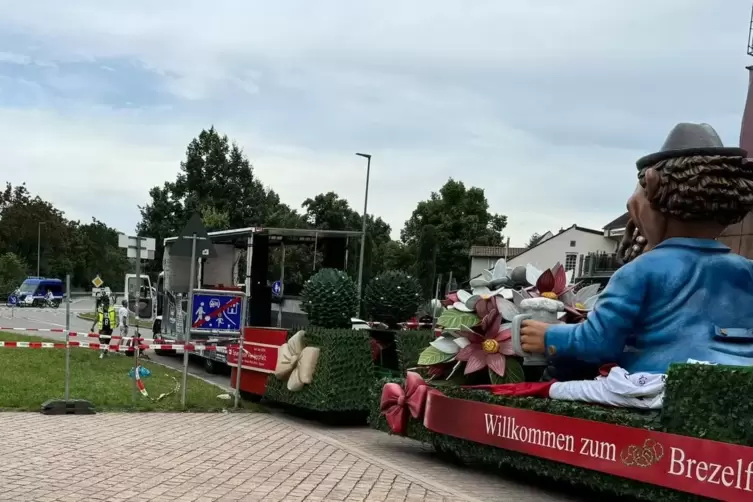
x=216, y=311
x=12, y=300
x=277, y=289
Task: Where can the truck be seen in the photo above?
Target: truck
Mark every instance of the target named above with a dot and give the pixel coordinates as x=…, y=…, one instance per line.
x=239, y=262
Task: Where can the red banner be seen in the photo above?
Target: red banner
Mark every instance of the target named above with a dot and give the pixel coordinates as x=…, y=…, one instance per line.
x=256, y=356
x=712, y=469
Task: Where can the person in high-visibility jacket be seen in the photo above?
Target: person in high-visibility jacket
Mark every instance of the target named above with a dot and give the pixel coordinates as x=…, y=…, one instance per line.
x=106, y=321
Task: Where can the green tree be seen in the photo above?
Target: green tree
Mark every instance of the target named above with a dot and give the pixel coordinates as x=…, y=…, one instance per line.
x=21, y=217
x=462, y=219
x=330, y=212
x=534, y=240
x=96, y=252
x=217, y=181
x=67, y=247
x=13, y=271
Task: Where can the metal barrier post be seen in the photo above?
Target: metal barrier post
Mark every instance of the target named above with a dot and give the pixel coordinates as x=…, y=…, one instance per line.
x=136, y=335
x=187, y=337
x=67, y=337
x=244, y=306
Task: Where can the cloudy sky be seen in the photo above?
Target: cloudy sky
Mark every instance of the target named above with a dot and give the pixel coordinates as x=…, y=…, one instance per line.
x=545, y=104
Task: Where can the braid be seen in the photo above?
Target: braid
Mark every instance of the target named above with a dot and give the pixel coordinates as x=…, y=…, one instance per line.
x=711, y=188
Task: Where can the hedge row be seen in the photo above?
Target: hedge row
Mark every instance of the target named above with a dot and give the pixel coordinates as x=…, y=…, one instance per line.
x=700, y=401
x=345, y=373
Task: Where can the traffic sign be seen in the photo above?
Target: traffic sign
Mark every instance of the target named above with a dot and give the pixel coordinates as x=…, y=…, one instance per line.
x=97, y=281
x=12, y=300
x=277, y=289
x=204, y=246
x=216, y=311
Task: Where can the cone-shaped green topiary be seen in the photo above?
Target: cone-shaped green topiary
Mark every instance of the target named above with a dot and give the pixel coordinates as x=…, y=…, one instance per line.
x=392, y=297
x=330, y=299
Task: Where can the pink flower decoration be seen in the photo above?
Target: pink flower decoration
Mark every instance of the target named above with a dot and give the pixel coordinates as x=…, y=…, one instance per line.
x=489, y=348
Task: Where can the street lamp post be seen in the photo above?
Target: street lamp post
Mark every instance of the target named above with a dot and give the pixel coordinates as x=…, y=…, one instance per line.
x=39, y=244
x=363, y=227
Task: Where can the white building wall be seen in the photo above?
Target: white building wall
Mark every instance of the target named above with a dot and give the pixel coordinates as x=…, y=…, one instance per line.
x=557, y=249
x=481, y=263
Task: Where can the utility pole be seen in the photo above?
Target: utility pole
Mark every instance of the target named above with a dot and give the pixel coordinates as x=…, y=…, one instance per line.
x=367, y=156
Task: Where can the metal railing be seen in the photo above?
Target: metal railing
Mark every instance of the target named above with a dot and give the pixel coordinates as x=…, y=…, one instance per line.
x=594, y=265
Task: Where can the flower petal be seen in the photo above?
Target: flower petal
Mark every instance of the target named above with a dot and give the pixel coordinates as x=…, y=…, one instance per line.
x=465, y=353
x=506, y=348
x=481, y=290
x=445, y=345
x=517, y=297
x=560, y=278
x=568, y=298
x=496, y=363
x=532, y=274
x=476, y=362
x=505, y=333
x=506, y=308
x=591, y=302
x=461, y=342
x=479, y=282
x=506, y=293
x=461, y=307
x=545, y=283
x=500, y=269
x=483, y=307
x=472, y=301
x=463, y=295
x=586, y=292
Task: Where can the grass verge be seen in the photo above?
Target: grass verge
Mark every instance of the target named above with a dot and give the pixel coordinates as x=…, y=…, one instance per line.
x=91, y=316
x=29, y=377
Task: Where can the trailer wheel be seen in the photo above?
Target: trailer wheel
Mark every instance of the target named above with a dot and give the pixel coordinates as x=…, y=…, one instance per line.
x=210, y=366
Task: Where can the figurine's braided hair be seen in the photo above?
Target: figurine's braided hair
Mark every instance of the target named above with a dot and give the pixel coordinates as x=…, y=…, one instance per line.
x=703, y=187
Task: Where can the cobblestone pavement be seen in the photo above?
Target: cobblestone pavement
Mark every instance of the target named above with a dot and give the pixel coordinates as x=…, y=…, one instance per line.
x=208, y=457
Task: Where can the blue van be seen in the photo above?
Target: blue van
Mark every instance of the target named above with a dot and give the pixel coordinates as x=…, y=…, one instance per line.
x=34, y=290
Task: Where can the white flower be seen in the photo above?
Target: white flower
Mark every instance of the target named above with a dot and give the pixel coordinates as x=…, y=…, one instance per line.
x=449, y=343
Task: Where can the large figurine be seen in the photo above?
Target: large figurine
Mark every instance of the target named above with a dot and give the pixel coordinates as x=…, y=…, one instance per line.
x=682, y=294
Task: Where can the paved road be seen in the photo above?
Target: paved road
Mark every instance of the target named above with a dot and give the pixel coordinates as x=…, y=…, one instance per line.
x=213, y=457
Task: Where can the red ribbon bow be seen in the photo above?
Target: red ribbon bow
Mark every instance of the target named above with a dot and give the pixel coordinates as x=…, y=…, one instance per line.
x=396, y=403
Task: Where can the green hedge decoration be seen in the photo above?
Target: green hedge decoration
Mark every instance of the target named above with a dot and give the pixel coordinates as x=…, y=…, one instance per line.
x=344, y=376
x=700, y=401
x=410, y=344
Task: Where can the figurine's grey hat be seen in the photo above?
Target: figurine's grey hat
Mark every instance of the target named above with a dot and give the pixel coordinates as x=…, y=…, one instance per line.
x=686, y=140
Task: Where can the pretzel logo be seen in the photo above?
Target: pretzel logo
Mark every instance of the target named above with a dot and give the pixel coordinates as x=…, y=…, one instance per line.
x=642, y=456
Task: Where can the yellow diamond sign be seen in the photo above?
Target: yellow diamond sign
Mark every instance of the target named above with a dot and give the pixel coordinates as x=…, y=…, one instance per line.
x=97, y=281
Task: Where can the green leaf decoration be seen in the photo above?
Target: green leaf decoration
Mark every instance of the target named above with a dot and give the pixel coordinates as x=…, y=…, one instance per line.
x=495, y=379
x=431, y=356
x=453, y=319
x=513, y=371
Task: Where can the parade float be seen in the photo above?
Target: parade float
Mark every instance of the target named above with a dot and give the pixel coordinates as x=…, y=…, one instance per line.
x=328, y=369
x=639, y=390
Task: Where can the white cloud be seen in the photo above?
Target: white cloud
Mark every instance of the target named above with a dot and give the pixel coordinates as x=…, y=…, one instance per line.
x=544, y=104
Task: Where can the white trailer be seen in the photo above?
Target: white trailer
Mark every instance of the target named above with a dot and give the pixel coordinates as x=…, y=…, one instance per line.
x=229, y=269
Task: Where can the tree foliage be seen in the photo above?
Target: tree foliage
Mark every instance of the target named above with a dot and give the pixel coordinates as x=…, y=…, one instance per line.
x=12, y=273
x=461, y=219
x=217, y=181
x=66, y=247
x=534, y=240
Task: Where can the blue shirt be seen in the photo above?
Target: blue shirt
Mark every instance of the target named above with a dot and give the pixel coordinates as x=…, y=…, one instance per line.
x=684, y=299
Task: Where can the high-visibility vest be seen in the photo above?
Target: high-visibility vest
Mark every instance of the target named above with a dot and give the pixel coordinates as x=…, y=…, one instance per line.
x=110, y=315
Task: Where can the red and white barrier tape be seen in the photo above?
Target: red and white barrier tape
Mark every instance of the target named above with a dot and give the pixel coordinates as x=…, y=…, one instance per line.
x=112, y=348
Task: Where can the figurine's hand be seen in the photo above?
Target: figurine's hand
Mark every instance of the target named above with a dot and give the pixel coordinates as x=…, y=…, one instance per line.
x=533, y=336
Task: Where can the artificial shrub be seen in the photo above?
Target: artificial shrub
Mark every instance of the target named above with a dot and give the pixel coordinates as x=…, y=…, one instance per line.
x=410, y=344
x=700, y=401
x=343, y=378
